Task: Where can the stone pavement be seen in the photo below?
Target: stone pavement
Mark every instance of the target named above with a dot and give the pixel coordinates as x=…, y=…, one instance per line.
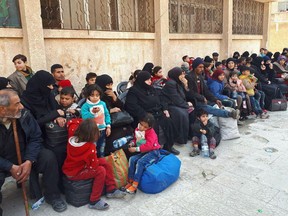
x=244, y=180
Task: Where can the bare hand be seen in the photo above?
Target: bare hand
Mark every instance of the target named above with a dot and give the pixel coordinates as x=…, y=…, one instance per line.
x=131, y=144
x=110, y=93
x=72, y=111
x=15, y=171
x=205, y=100
x=61, y=112
x=95, y=109
x=132, y=149
x=115, y=109
x=190, y=104
x=219, y=103
x=60, y=121
x=203, y=131
x=108, y=131
x=166, y=113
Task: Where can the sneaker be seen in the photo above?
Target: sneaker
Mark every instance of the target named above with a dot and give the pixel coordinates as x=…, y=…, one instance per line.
x=100, y=205
x=212, y=155
x=194, y=153
x=264, y=110
x=131, y=190
x=264, y=116
x=116, y=194
x=57, y=204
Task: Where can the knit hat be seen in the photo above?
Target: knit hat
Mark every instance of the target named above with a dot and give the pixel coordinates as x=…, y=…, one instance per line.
x=244, y=68
x=281, y=57
x=215, y=54
x=208, y=59
x=197, y=62
x=64, y=83
x=217, y=73
x=3, y=83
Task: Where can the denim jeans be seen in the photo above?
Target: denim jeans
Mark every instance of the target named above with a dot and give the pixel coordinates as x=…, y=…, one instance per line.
x=212, y=110
x=138, y=163
x=260, y=97
x=228, y=102
x=255, y=105
x=100, y=145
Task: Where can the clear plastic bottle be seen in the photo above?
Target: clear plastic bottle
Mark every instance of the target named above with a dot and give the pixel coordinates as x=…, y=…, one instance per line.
x=204, y=146
x=121, y=141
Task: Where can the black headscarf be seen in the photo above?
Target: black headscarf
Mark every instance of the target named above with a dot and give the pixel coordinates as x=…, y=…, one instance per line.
x=257, y=62
x=37, y=92
x=174, y=74
x=236, y=55
x=3, y=82
x=103, y=80
x=245, y=54
x=141, y=78
x=148, y=67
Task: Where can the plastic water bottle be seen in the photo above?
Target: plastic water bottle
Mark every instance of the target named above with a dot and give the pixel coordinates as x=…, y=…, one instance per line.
x=121, y=141
x=204, y=146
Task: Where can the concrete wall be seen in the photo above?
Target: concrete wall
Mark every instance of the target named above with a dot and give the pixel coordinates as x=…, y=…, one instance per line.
x=115, y=53
x=115, y=57
x=252, y=46
x=279, y=36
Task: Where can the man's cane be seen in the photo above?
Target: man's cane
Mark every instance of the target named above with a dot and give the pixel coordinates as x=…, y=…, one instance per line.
x=16, y=139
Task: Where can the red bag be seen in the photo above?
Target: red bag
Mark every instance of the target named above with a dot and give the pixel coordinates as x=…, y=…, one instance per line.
x=72, y=125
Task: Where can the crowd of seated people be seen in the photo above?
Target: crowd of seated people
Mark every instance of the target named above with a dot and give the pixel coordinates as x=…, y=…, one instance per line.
x=173, y=108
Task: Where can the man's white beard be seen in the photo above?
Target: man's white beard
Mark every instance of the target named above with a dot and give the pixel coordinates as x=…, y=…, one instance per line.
x=11, y=116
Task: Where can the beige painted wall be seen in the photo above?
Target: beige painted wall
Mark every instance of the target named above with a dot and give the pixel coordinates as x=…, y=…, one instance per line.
x=252, y=46
x=278, y=36
x=117, y=58
x=9, y=47
x=195, y=48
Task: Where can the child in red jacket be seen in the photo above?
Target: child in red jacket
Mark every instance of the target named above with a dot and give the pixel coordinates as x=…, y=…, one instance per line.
x=145, y=142
x=82, y=163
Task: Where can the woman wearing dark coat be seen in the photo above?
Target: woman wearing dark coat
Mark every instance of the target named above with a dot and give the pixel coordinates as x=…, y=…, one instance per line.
x=174, y=93
x=41, y=102
x=142, y=98
x=267, y=89
x=105, y=82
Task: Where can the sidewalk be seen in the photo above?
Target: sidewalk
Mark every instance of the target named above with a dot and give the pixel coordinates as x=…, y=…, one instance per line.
x=245, y=179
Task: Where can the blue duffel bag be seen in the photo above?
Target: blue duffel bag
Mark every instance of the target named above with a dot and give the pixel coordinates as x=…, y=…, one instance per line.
x=160, y=175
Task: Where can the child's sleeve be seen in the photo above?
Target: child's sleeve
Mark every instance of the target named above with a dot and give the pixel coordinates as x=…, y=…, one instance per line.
x=107, y=115
x=85, y=112
x=92, y=160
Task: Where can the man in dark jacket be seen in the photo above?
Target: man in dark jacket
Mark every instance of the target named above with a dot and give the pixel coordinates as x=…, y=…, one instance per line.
x=36, y=159
x=200, y=95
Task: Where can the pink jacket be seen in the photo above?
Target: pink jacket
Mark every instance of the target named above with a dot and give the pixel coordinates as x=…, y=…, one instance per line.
x=151, y=141
x=239, y=87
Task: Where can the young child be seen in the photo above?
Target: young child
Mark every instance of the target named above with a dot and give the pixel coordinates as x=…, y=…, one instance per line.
x=146, y=142
x=158, y=79
x=19, y=79
x=82, y=163
x=90, y=80
x=203, y=129
x=62, y=84
x=67, y=98
x=249, y=81
x=97, y=109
